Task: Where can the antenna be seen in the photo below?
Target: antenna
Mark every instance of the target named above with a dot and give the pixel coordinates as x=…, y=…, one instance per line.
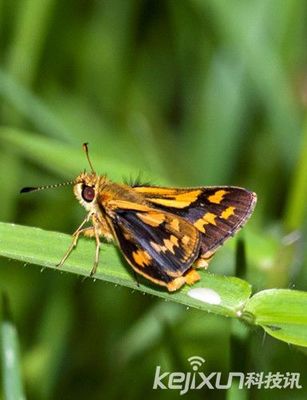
x=36, y=189
x=85, y=148
x=28, y=189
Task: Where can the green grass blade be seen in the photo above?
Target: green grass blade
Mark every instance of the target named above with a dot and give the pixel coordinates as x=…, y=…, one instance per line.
x=66, y=160
x=281, y=312
x=29, y=38
x=31, y=107
x=44, y=361
x=296, y=208
x=148, y=330
x=214, y=293
x=11, y=374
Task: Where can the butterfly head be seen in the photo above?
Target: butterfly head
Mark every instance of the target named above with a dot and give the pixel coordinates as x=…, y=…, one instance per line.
x=87, y=187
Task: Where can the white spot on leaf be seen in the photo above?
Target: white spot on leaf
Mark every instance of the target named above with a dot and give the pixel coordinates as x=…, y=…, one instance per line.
x=205, y=295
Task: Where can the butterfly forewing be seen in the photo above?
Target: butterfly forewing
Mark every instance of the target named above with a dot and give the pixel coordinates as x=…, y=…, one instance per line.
x=217, y=212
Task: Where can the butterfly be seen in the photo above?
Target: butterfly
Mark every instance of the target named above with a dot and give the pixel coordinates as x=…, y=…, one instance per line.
x=164, y=233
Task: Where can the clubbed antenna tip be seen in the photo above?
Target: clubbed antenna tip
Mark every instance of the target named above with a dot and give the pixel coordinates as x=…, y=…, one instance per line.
x=28, y=189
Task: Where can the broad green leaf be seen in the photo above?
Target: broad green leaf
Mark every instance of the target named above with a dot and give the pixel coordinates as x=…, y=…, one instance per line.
x=281, y=312
x=214, y=293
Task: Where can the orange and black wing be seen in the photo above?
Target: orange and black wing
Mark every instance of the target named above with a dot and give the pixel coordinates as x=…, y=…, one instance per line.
x=158, y=245
x=216, y=212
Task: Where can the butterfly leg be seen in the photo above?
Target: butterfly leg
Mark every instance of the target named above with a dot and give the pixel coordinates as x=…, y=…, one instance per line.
x=96, y=262
x=75, y=236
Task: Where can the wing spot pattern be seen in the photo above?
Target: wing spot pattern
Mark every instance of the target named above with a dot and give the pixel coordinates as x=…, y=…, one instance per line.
x=141, y=257
x=218, y=196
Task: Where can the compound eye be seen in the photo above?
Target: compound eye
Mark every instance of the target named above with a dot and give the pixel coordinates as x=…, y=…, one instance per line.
x=88, y=193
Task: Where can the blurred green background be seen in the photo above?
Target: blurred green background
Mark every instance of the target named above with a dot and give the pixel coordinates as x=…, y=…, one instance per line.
x=184, y=93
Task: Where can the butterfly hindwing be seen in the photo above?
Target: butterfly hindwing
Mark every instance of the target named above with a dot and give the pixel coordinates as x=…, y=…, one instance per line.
x=157, y=244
